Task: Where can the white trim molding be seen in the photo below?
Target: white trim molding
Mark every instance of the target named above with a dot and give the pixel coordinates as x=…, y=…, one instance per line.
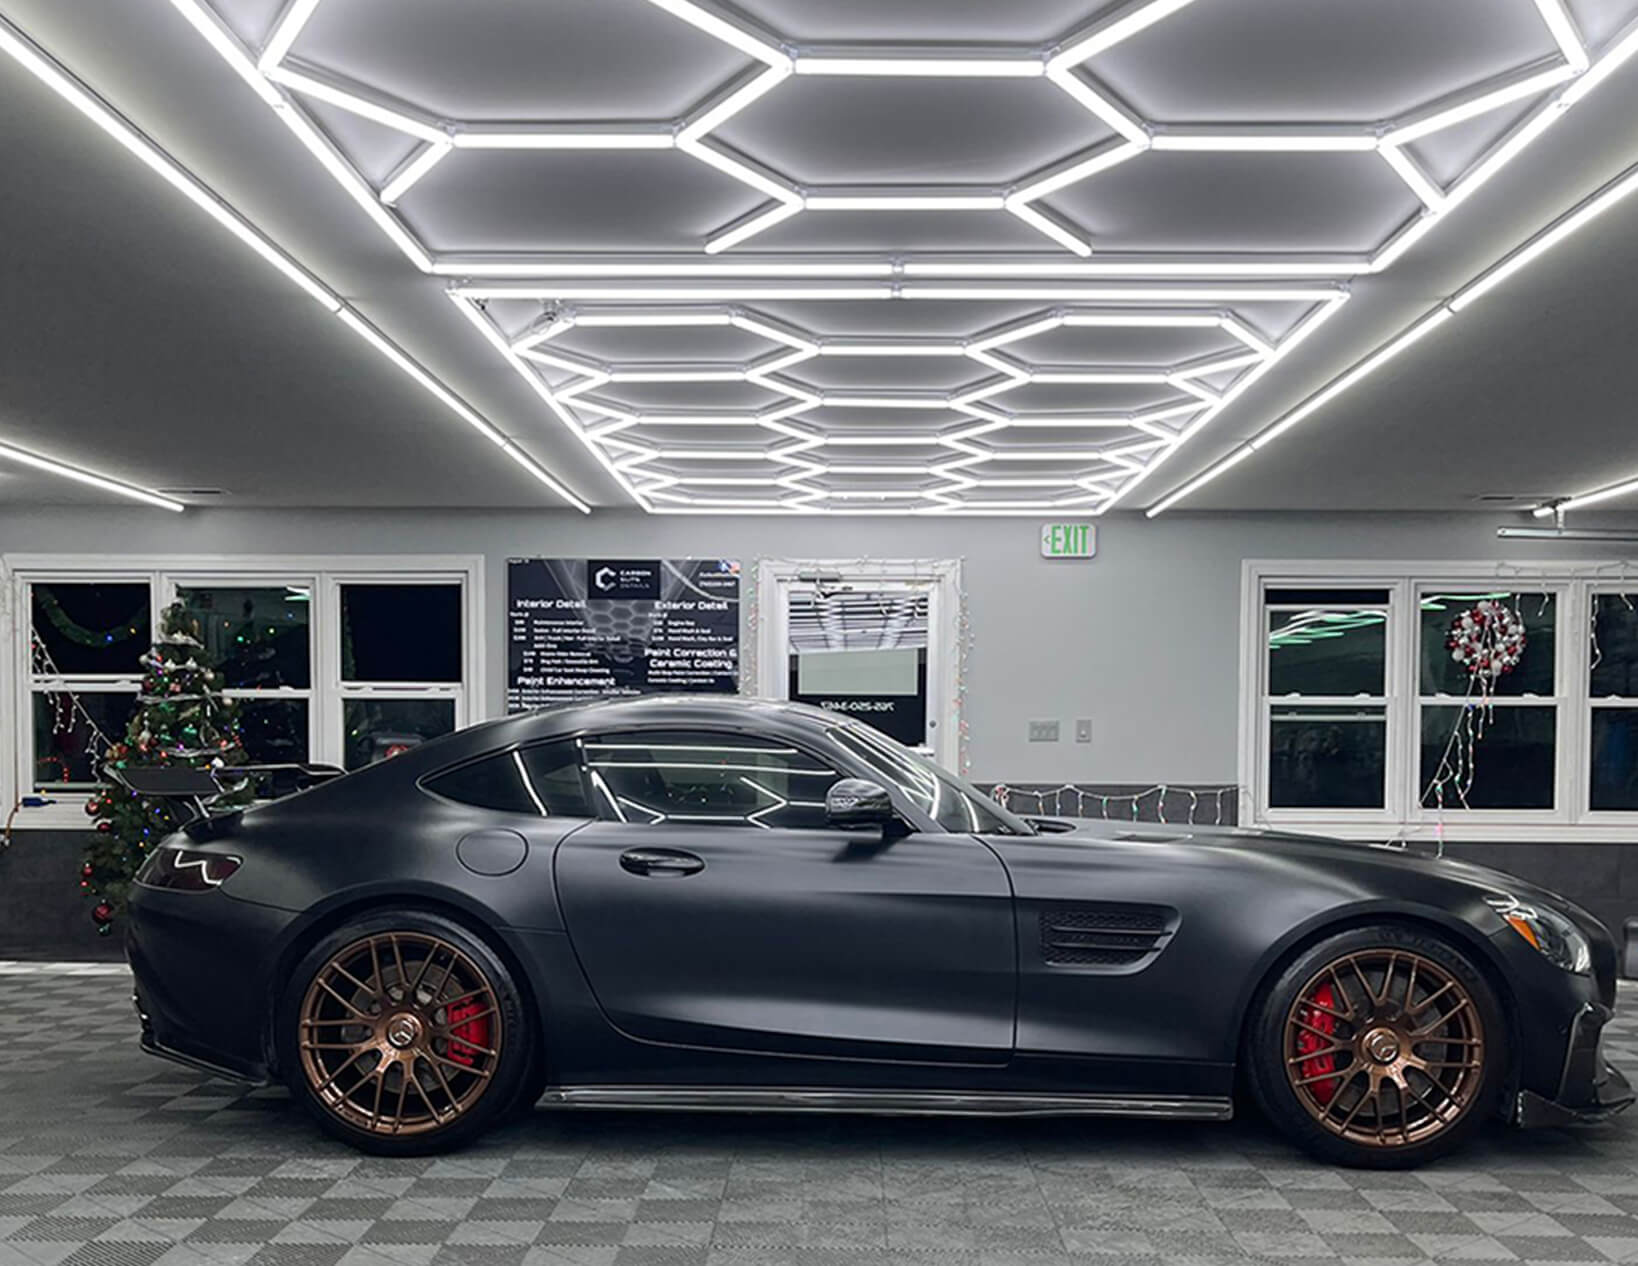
x=1573, y=587
x=327, y=694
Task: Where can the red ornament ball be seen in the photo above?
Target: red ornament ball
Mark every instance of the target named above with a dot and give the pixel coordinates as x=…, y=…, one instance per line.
x=102, y=914
x=88, y=870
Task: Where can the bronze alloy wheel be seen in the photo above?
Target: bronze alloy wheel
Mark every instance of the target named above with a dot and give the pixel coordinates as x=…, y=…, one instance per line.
x=1385, y=1048
x=400, y=1033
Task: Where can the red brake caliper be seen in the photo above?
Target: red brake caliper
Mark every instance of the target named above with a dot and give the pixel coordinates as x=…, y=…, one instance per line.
x=1308, y=1042
x=467, y=1037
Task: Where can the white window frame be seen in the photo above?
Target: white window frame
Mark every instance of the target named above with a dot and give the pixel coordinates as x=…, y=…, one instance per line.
x=325, y=574
x=169, y=583
x=1265, y=705
x=943, y=580
x=1402, y=816
x=1626, y=817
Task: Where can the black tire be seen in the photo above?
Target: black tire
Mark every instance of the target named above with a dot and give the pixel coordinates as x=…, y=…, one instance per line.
x=530, y=1087
x=1336, y=1060
x=438, y=1065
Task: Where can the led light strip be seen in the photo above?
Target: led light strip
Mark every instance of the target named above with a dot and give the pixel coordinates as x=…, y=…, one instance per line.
x=51, y=466
x=731, y=290
x=34, y=60
x=1581, y=500
x=1578, y=217
x=492, y=335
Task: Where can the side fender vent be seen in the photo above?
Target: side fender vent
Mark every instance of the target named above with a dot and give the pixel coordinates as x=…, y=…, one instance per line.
x=1110, y=935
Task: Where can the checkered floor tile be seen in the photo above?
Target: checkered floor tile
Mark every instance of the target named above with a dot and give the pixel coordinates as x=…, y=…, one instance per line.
x=111, y=1158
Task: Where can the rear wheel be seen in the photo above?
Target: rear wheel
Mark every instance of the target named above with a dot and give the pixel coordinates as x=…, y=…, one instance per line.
x=403, y=1033
x=1381, y=1047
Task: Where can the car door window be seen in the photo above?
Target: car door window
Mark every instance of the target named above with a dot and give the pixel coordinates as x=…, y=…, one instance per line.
x=953, y=804
x=544, y=780
x=714, y=779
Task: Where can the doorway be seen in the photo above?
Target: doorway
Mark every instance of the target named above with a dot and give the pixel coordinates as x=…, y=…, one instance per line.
x=874, y=641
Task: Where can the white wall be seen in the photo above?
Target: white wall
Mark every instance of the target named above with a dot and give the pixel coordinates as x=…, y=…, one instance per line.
x=1143, y=639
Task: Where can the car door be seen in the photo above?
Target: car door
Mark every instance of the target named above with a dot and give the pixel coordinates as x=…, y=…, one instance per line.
x=712, y=906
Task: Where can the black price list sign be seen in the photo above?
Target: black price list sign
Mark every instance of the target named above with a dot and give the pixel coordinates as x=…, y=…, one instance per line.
x=581, y=628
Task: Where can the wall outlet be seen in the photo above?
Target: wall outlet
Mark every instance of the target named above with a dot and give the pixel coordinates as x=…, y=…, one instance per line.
x=1083, y=730
x=1043, y=731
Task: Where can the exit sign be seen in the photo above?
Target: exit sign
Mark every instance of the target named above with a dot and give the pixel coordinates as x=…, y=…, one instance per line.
x=1068, y=540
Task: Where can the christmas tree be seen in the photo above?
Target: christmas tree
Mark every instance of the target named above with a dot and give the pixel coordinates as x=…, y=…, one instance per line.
x=181, y=718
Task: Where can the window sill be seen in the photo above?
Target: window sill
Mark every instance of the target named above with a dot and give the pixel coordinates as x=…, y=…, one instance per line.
x=1489, y=831
x=68, y=814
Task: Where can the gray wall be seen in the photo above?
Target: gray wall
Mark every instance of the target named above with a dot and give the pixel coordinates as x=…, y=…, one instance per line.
x=1143, y=639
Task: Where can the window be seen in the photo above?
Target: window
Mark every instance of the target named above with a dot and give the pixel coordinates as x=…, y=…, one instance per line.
x=1326, y=700
x=334, y=661
x=85, y=645
x=1612, y=683
x=544, y=780
x=398, y=640
x=707, y=777
x=1362, y=720
x=1495, y=752
x=260, y=638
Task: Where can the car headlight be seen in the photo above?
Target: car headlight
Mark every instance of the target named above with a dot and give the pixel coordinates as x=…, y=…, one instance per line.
x=185, y=870
x=1548, y=930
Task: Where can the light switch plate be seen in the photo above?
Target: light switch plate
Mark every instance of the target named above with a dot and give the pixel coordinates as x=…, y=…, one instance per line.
x=1083, y=730
x=1043, y=731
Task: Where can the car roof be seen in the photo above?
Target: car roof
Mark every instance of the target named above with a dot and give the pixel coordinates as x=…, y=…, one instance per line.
x=771, y=716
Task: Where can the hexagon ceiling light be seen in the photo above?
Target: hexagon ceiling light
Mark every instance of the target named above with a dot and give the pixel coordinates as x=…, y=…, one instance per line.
x=960, y=391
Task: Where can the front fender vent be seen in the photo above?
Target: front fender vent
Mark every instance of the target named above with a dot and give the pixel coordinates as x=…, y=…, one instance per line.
x=1107, y=935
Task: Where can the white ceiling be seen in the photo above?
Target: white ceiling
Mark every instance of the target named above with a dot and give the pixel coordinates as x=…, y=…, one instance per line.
x=1061, y=255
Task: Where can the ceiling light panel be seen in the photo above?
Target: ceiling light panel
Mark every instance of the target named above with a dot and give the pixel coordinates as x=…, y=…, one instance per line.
x=1056, y=124
x=824, y=425
x=768, y=157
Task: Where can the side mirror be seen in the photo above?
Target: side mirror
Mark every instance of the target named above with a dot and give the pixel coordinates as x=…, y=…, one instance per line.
x=852, y=803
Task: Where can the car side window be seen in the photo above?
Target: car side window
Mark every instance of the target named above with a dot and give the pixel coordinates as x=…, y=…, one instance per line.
x=707, y=777
x=949, y=802
x=543, y=781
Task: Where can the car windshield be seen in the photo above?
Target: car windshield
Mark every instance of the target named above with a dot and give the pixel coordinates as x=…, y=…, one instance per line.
x=953, y=803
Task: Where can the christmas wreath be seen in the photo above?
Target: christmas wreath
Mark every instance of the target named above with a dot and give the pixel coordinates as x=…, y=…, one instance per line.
x=1487, y=640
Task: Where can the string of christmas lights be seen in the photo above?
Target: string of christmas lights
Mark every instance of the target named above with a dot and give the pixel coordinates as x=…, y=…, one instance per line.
x=1050, y=801
x=65, y=708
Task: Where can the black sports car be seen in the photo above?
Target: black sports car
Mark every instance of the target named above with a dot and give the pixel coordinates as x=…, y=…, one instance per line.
x=729, y=904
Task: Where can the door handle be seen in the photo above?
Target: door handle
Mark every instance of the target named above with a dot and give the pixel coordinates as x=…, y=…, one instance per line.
x=660, y=861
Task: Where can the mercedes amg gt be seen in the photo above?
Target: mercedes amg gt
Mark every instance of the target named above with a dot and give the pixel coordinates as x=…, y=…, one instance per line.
x=716, y=904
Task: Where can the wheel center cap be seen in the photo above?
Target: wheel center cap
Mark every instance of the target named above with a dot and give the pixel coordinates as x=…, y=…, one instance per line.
x=1382, y=1045
x=403, y=1030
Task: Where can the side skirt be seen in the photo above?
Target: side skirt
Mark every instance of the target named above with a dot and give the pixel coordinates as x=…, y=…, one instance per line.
x=889, y=1102
x=151, y=1047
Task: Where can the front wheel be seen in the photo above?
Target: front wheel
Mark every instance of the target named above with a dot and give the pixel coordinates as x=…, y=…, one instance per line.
x=404, y=1034
x=1381, y=1047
